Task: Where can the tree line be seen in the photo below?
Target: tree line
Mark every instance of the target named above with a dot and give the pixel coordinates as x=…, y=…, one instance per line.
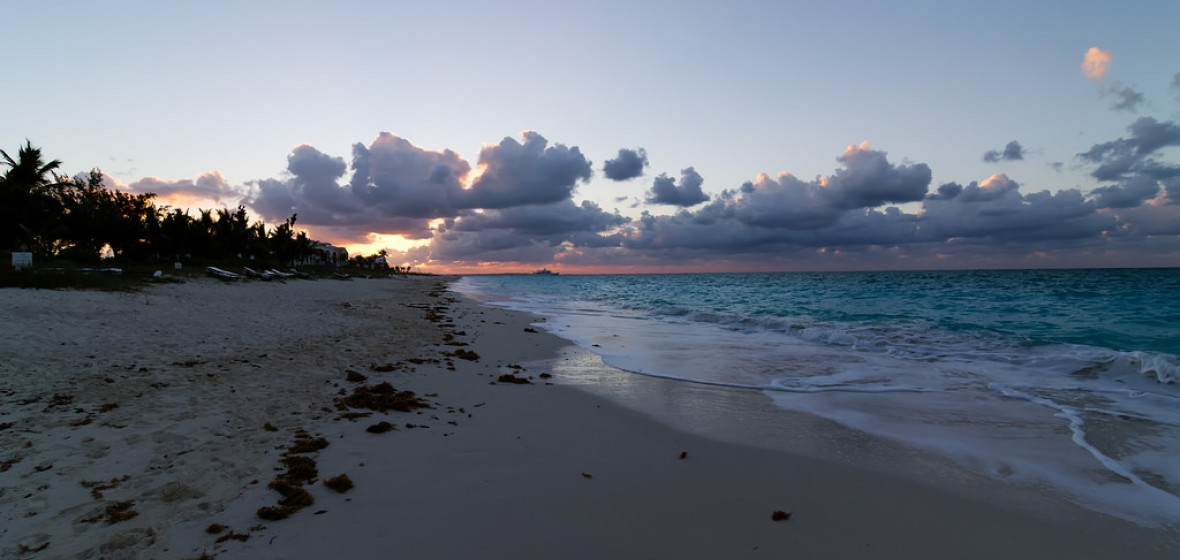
x=77, y=218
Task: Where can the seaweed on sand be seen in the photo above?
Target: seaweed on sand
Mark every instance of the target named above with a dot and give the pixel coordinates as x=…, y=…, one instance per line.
x=382, y=397
x=512, y=378
x=115, y=512
x=468, y=355
x=340, y=483
x=380, y=428
x=304, y=443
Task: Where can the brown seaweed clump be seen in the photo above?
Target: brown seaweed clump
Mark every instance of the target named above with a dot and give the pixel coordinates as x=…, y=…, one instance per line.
x=512, y=378
x=380, y=427
x=780, y=515
x=289, y=484
x=468, y=355
x=97, y=486
x=304, y=443
x=115, y=512
x=382, y=397
x=340, y=483
x=299, y=469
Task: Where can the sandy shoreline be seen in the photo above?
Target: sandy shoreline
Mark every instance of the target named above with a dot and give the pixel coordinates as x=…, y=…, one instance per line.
x=133, y=422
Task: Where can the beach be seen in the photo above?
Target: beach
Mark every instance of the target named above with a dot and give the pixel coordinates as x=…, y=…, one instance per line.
x=158, y=424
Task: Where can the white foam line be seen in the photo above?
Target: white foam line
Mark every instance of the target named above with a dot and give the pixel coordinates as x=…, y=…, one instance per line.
x=779, y=388
x=1079, y=437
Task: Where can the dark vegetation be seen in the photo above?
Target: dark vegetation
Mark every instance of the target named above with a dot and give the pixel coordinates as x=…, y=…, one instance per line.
x=72, y=224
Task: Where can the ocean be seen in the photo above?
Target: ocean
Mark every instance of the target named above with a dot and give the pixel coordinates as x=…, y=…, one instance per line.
x=1059, y=379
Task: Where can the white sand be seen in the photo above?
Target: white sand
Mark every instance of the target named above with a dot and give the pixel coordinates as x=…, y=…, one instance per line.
x=500, y=470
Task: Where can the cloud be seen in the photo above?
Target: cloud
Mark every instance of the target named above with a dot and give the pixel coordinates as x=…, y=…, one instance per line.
x=517, y=173
x=312, y=191
x=868, y=180
x=629, y=164
x=1095, y=63
x=994, y=209
x=664, y=189
x=1127, y=194
x=543, y=220
x=400, y=179
x=1119, y=159
x=1129, y=99
x=209, y=187
x=399, y=188
x=535, y=233
x=1013, y=151
x=517, y=206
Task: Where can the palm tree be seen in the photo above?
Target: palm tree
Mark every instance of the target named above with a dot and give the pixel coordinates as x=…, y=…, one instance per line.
x=28, y=206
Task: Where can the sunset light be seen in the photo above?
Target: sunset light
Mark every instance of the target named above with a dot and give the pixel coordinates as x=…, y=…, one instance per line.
x=584, y=280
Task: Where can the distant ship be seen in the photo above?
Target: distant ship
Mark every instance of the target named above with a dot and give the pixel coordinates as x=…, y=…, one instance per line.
x=546, y=272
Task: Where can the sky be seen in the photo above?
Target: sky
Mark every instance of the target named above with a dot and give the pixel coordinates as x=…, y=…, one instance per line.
x=639, y=136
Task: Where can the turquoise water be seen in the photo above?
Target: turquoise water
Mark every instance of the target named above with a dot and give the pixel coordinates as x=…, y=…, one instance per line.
x=1068, y=378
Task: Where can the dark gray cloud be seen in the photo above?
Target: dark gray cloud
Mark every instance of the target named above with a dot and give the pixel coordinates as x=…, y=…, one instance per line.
x=1176, y=83
x=869, y=180
x=1120, y=158
x=629, y=164
x=543, y=220
x=1013, y=151
x=665, y=191
x=398, y=188
x=208, y=186
x=1133, y=165
x=517, y=174
x=776, y=217
x=1127, y=194
x=535, y=233
x=996, y=210
x=519, y=208
x=312, y=191
x=1128, y=99
x=400, y=179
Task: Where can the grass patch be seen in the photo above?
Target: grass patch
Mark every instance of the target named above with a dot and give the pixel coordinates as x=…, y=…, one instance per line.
x=68, y=276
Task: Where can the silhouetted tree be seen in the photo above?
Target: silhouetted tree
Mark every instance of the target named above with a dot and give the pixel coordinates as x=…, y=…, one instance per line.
x=28, y=207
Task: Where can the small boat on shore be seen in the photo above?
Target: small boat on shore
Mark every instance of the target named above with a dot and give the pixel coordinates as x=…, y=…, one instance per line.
x=220, y=274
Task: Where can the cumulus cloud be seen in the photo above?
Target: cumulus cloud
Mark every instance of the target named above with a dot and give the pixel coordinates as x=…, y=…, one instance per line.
x=543, y=220
x=531, y=172
x=1095, y=63
x=1013, y=151
x=786, y=213
x=399, y=188
x=665, y=191
x=1121, y=158
x=534, y=233
x=516, y=205
x=210, y=186
x=400, y=179
x=1133, y=164
x=995, y=209
x=629, y=164
x=1128, y=99
x=1128, y=193
x=312, y=191
x=868, y=180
